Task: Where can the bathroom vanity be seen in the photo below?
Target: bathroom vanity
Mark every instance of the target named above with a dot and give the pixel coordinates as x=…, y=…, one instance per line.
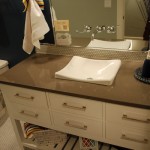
x=118, y=114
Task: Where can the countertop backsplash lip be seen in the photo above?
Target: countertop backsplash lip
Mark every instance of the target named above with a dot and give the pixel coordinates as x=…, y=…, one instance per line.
x=91, y=52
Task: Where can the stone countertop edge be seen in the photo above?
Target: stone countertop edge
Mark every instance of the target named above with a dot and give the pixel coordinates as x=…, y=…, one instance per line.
x=38, y=73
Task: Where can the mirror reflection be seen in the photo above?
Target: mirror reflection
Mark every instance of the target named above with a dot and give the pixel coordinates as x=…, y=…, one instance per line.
x=104, y=24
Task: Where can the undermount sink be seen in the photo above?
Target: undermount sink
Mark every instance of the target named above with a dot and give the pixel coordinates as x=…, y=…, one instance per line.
x=90, y=70
x=120, y=45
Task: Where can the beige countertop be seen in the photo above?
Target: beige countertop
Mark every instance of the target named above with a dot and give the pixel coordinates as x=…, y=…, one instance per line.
x=37, y=72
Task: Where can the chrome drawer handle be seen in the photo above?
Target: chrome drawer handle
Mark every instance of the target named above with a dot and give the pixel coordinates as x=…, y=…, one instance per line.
x=134, y=140
x=134, y=119
x=84, y=127
x=27, y=98
x=23, y=112
x=83, y=108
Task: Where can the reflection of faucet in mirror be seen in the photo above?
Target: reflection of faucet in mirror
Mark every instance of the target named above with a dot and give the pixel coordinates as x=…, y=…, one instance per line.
x=98, y=29
x=86, y=29
x=110, y=29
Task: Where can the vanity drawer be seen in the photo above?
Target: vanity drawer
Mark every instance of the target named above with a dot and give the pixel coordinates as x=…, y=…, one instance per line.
x=90, y=128
x=30, y=114
x=128, y=116
x=128, y=136
x=76, y=105
x=24, y=96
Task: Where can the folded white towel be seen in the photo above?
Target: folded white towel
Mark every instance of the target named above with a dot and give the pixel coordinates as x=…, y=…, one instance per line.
x=35, y=27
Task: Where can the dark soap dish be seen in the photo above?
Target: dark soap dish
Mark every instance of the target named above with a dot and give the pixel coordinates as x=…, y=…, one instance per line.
x=138, y=75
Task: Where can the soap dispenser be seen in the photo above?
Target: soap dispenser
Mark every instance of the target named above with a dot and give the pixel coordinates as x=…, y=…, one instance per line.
x=143, y=73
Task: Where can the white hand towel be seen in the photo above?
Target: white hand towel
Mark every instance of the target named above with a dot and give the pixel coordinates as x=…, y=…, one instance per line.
x=35, y=27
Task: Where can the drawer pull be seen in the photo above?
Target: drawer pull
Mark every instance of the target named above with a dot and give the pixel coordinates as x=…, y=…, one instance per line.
x=134, y=140
x=83, y=108
x=27, y=98
x=27, y=113
x=134, y=119
x=75, y=126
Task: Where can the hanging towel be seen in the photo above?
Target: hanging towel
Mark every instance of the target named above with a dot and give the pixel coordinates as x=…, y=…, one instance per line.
x=35, y=27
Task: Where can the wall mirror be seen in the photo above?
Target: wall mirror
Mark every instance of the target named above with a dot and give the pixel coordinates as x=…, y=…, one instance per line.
x=115, y=24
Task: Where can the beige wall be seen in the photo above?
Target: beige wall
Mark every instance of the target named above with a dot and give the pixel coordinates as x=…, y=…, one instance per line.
x=93, y=13
x=134, y=21
x=86, y=12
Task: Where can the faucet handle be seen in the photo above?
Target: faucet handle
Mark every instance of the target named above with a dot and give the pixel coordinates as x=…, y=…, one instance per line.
x=86, y=29
x=100, y=28
x=110, y=29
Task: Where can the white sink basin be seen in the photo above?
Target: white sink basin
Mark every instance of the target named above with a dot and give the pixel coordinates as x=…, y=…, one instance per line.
x=120, y=45
x=90, y=70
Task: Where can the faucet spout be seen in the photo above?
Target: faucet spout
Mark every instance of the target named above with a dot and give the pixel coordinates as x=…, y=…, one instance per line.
x=92, y=36
x=98, y=29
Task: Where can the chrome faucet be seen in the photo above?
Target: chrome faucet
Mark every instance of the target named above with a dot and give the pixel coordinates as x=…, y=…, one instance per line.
x=110, y=29
x=86, y=29
x=98, y=29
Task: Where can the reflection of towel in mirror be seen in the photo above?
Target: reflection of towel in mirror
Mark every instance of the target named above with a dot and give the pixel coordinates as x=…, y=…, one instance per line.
x=53, y=13
x=35, y=27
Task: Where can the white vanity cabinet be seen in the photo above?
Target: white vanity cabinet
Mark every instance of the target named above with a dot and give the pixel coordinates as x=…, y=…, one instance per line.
x=77, y=116
x=111, y=123
x=27, y=105
x=128, y=126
